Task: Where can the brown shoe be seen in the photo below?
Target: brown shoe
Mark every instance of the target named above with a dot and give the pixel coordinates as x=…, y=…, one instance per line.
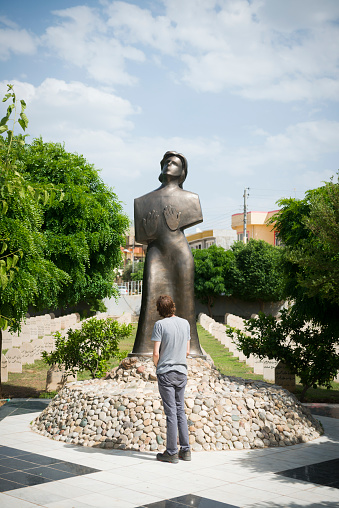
x=166, y=457
x=184, y=455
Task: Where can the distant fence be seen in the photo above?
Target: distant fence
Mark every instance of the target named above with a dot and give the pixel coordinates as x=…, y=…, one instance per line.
x=133, y=287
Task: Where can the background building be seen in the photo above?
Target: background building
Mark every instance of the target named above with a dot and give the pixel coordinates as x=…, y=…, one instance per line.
x=257, y=227
x=132, y=251
x=204, y=239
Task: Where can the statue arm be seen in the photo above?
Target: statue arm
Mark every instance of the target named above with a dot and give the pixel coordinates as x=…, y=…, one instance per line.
x=192, y=213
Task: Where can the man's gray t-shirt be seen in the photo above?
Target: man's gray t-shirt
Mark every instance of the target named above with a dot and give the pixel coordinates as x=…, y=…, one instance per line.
x=173, y=333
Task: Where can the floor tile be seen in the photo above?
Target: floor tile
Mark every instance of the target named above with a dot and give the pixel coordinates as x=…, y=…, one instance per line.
x=235, y=499
x=322, y=473
x=88, y=484
x=201, y=502
x=16, y=463
x=68, y=503
x=35, y=496
x=74, y=469
x=49, y=473
x=6, y=484
x=103, y=501
x=9, y=502
x=26, y=478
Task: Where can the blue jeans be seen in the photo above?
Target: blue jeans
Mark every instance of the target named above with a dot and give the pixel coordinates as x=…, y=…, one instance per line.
x=172, y=388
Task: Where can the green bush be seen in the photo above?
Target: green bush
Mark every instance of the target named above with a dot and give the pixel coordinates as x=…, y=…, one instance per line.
x=89, y=348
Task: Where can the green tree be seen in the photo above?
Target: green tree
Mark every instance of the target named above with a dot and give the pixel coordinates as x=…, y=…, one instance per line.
x=256, y=274
x=307, y=350
x=306, y=338
x=84, y=231
x=317, y=254
x=89, y=348
x=248, y=272
x=210, y=280
x=138, y=272
x=27, y=276
x=309, y=229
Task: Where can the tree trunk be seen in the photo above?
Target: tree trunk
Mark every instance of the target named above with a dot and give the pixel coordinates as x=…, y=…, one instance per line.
x=304, y=390
x=209, y=306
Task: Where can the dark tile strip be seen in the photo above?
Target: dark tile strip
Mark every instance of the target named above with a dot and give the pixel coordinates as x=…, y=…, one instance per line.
x=188, y=501
x=24, y=469
x=322, y=473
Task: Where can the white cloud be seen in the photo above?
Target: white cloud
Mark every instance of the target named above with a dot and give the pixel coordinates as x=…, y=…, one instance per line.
x=82, y=38
x=260, y=49
x=99, y=125
x=57, y=109
x=15, y=40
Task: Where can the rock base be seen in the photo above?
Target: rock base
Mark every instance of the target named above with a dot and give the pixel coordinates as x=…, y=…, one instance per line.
x=124, y=411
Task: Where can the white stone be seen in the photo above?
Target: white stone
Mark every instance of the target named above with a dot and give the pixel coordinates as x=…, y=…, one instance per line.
x=269, y=369
x=4, y=369
x=38, y=346
x=13, y=356
x=6, y=339
x=49, y=342
x=27, y=353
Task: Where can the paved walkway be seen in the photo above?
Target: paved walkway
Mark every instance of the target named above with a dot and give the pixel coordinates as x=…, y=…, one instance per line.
x=36, y=471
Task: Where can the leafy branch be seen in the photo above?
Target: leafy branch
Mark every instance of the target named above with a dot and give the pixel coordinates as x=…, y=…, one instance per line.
x=22, y=120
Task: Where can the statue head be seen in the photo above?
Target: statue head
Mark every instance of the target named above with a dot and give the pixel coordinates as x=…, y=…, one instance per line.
x=183, y=163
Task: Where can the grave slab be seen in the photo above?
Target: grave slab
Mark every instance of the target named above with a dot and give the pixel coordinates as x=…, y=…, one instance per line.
x=13, y=356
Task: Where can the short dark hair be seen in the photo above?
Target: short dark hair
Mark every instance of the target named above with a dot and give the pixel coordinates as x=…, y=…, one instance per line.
x=165, y=306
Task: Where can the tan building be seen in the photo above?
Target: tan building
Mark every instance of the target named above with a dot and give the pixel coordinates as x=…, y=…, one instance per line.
x=219, y=237
x=132, y=251
x=257, y=227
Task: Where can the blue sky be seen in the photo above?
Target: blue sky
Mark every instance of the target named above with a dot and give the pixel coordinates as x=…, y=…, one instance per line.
x=247, y=90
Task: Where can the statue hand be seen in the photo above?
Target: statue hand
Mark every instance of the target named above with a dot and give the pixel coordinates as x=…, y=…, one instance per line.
x=151, y=224
x=172, y=217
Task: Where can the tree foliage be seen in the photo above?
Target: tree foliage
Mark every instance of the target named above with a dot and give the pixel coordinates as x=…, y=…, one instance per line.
x=27, y=276
x=309, y=229
x=256, y=273
x=135, y=272
x=308, y=351
x=248, y=271
x=316, y=255
x=83, y=232
x=89, y=348
x=306, y=337
x=210, y=278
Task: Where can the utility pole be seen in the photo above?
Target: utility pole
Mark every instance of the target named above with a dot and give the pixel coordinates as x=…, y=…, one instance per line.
x=245, y=213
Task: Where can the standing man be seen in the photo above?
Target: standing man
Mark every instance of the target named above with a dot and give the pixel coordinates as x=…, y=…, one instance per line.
x=171, y=337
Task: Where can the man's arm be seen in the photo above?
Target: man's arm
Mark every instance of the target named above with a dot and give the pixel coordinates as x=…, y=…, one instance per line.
x=188, y=347
x=156, y=347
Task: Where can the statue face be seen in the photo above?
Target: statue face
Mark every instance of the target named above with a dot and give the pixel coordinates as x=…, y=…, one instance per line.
x=172, y=166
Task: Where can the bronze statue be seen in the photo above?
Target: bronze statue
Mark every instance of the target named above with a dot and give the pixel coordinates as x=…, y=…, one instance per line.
x=160, y=218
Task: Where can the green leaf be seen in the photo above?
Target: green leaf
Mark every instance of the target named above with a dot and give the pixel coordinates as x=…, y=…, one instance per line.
x=4, y=207
x=3, y=323
x=10, y=109
x=4, y=120
x=3, y=248
x=3, y=128
x=23, y=121
x=23, y=105
x=46, y=197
